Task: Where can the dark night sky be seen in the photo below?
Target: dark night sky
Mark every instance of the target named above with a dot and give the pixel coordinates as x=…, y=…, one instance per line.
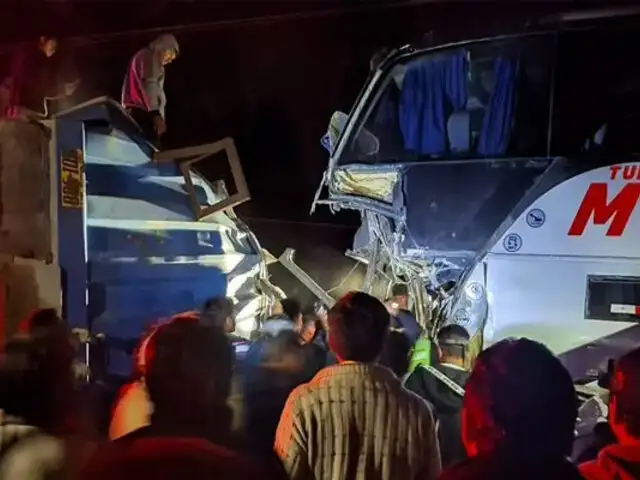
x=269, y=74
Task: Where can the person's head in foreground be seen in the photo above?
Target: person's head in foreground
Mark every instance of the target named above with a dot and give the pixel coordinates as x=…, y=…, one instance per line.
x=358, y=328
x=37, y=382
x=452, y=342
x=40, y=322
x=520, y=402
x=188, y=377
x=146, y=346
x=218, y=312
x=624, y=402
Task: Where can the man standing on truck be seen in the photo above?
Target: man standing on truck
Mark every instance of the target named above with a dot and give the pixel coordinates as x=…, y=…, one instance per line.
x=33, y=80
x=143, y=89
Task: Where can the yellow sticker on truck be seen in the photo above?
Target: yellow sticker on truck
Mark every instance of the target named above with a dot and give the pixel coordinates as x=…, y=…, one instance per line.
x=71, y=179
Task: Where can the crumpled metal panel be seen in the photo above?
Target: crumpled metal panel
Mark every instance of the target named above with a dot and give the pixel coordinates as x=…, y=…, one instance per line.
x=370, y=183
x=24, y=190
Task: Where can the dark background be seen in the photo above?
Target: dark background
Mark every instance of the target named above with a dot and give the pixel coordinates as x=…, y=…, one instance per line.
x=269, y=74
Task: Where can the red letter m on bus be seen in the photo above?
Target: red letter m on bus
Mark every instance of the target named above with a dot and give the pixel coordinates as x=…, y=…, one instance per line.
x=618, y=211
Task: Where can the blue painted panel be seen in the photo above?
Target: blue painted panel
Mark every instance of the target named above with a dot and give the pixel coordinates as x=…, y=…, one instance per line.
x=135, y=182
x=112, y=207
x=121, y=310
x=144, y=271
x=71, y=249
x=111, y=242
x=113, y=147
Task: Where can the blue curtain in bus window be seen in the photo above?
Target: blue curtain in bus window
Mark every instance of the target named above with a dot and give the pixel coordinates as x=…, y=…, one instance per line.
x=430, y=89
x=499, y=116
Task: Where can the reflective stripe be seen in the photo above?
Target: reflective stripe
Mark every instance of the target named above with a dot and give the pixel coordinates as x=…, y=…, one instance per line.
x=444, y=379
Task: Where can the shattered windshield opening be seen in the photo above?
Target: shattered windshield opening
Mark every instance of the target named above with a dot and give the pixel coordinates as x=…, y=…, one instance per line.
x=483, y=100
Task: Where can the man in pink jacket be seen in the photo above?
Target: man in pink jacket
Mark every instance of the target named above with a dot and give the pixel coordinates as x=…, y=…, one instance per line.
x=143, y=90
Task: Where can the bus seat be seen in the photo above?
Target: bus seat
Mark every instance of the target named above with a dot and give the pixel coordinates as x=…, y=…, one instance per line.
x=459, y=131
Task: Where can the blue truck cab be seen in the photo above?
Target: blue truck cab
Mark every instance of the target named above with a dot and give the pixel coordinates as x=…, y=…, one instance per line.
x=115, y=235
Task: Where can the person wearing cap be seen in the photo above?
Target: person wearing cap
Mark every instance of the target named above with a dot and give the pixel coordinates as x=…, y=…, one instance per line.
x=622, y=459
x=442, y=385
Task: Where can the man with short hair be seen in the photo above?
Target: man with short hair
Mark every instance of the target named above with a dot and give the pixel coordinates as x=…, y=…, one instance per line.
x=622, y=459
x=132, y=408
x=442, y=385
x=274, y=366
x=404, y=319
x=292, y=309
x=355, y=420
x=143, y=89
x=519, y=415
x=218, y=312
x=188, y=379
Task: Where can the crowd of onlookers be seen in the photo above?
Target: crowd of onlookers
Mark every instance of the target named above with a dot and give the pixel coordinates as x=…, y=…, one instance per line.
x=314, y=395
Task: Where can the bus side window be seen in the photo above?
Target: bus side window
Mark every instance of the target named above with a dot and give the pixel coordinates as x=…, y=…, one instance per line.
x=597, y=92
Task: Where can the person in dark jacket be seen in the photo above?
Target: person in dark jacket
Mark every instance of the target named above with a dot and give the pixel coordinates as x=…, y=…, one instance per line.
x=621, y=460
x=188, y=379
x=403, y=319
x=274, y=366
x=316, y=355
x=519, y=414
x=143, y=89
x=33, y=78
x=442, y=385
x=218, y=312
x=396, y=352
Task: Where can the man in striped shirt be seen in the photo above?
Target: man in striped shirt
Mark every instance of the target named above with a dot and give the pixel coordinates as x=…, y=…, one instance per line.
x=355, y=420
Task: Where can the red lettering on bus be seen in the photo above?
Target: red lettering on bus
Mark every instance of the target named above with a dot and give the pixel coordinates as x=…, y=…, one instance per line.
x=629, y=172
x=614, y=169
x=595, y=204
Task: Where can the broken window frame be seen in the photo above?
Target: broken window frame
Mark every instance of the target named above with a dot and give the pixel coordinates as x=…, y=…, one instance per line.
x=188, y=157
